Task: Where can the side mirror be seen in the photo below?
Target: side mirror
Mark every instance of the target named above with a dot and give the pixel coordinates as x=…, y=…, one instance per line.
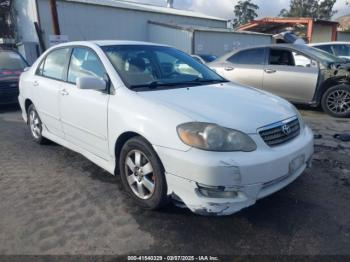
x=91, y=83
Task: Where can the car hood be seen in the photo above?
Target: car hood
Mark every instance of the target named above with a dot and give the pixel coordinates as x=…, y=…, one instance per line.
x=229, y=105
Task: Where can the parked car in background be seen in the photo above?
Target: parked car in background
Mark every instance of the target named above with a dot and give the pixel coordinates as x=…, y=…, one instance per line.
x=299, y=73
x=195, y=138
x=204, y=58
x=340, y=49
x=12, y=65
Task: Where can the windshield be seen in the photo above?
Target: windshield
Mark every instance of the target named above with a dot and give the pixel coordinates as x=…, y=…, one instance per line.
x=142, y=66
x=324, y=56
x=208, y=58
x=11, y=64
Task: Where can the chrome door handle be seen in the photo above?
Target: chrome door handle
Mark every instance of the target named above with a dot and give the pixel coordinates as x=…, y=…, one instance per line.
x=270, y=71
x=35, y=83
x=64, y=92
x=229, y=68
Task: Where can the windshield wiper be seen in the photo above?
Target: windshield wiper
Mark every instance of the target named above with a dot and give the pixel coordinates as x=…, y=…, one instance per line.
x=197, y=81
x=153, y=85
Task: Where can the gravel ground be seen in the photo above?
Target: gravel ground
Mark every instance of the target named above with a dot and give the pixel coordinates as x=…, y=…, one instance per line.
x=54, y=201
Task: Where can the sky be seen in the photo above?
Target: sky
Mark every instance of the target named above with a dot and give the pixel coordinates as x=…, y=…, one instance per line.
x=224, y=8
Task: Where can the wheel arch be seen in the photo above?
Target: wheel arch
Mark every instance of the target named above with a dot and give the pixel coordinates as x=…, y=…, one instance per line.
x=327, y=85
x=120, y=142
x=27, y=104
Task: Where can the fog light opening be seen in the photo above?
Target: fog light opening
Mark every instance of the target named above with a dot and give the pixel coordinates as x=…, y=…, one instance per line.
x=217, y=192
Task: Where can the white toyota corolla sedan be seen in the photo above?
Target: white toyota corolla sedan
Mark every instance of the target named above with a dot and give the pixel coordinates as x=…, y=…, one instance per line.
x=170, y=126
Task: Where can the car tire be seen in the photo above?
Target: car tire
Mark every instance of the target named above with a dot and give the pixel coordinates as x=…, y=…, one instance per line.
x=336, y=101
x=35, y=125
x=142, y=174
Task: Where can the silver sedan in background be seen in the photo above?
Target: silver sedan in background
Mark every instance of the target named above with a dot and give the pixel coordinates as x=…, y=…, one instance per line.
x=298, y=73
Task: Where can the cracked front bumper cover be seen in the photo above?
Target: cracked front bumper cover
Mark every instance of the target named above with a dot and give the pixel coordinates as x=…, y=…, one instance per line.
x=246, y=195
x=252, y=175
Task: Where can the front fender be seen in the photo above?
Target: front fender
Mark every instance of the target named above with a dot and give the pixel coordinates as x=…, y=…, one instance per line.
x=330, y=78
x=129, y=112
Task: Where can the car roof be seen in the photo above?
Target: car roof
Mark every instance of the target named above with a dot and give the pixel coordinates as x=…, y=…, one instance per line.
x=106, y=43
x=297, y=47
x=329, y=43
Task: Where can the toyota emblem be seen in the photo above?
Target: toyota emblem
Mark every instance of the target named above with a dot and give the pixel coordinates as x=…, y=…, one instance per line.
x=286, y=130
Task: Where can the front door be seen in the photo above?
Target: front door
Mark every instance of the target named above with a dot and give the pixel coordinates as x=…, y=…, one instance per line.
x=291, y=75
x=84, y=112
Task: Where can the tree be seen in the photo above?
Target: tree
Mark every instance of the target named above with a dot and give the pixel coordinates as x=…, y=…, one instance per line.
x=245, y=11
x=310, y=8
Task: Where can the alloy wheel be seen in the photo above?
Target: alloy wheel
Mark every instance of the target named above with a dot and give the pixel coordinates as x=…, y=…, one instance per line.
x=139, y=172
x=338, y=101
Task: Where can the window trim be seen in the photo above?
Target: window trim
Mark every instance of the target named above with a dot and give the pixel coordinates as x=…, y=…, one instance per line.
x=246, y=50
x=290, y=50
x=43, y=61
x=66, y=66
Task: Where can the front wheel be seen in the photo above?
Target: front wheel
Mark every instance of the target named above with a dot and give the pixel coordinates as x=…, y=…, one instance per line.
x=336, y=101
x=142, y=174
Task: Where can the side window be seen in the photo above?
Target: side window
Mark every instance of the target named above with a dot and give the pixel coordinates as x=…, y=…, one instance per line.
x=303, y=61
x=54, y=64
x=84, y=62
x=249, y=57
x=281, y=57
x=326, y=48
x=341, y=50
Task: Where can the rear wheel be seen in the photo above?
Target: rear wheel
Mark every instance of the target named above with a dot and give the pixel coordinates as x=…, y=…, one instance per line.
x=35, y=125
x=336, y=101
x=142, y=174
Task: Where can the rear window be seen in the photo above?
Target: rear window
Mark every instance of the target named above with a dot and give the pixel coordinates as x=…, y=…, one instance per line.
x=249, y=57
x=11, y=63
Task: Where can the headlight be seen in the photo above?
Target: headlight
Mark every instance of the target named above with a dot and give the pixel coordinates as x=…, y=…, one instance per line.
x=212, y=137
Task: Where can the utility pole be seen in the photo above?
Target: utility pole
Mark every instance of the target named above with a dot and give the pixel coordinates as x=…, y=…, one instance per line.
x=54, y=17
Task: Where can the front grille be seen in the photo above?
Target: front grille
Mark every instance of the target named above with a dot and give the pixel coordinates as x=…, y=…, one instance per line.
x=281, y=132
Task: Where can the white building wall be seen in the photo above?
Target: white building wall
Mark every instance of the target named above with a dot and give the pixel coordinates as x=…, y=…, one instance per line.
x=94, y=22
x=220, y=43
x=181, y=39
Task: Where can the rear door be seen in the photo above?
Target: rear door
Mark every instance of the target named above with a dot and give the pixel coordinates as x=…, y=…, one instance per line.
x=46, y=85
x=291, y=75
x=84, y=112
x=246, y=67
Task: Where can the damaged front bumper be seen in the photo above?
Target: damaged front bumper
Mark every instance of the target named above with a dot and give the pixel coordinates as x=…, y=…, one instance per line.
x=244, y=196
x=212, y=183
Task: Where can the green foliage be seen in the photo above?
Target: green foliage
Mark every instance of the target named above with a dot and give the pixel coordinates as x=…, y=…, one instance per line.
x=310, y=8
x=245, y=11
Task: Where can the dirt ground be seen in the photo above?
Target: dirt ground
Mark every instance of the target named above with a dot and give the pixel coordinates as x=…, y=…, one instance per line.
x=54, y=201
